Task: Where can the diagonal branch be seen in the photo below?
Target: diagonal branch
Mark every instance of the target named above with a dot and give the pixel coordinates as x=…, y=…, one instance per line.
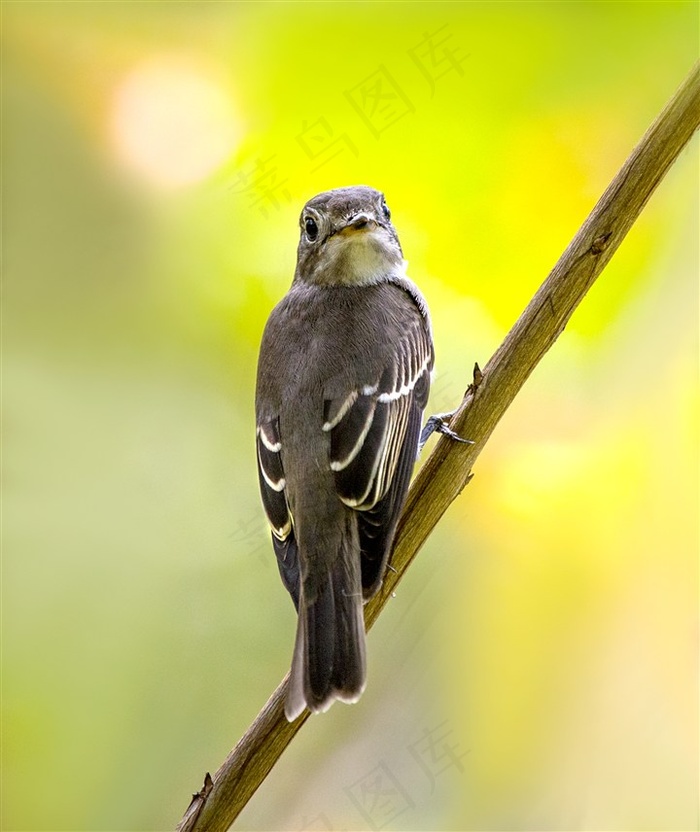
x=447, y=469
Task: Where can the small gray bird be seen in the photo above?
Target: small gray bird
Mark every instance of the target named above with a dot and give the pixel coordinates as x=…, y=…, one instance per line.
x=343, y=379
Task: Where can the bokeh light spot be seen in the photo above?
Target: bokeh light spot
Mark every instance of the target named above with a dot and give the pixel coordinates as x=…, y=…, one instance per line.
x=172, y=123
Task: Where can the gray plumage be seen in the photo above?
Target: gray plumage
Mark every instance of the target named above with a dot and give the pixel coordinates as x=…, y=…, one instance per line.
x=343, y=379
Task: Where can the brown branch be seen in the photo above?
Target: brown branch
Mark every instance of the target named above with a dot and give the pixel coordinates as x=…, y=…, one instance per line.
x=447, y=470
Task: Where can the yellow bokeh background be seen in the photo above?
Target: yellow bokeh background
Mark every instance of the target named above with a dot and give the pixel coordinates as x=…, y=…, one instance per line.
x=537, y=669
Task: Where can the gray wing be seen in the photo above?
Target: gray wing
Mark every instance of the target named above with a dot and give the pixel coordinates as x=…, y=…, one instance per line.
x=272, y=489
x=368, y=426
x=374, y=432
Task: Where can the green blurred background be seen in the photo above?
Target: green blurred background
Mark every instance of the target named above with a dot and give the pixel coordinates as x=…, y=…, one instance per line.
x=537, y=669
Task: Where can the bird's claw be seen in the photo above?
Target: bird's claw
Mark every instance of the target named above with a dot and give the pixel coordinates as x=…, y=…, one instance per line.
x=438, y=424
x=446, y=430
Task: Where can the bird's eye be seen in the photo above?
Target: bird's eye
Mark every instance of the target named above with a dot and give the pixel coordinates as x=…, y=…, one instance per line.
x=386, y=211
x=311, y=228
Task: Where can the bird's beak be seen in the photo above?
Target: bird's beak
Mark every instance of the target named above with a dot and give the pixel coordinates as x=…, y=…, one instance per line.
x=360, y=222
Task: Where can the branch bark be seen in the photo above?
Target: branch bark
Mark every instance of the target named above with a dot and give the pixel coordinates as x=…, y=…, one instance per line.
x=447, y=469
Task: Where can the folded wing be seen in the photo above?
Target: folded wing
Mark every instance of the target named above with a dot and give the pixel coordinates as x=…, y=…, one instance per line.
x=374, y=433
x=272, y=489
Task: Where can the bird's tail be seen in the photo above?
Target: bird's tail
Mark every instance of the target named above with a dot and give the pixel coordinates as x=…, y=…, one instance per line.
x=329, y=651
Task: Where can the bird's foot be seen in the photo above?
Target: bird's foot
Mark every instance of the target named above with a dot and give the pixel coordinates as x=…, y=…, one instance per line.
x=440, y=424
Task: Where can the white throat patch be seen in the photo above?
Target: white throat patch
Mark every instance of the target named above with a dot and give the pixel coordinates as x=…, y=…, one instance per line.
x=359, y=258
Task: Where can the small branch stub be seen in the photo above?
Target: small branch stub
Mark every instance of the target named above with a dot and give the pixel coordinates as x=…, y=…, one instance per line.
x=477, y=378
x=196, y=805
x=601, y=243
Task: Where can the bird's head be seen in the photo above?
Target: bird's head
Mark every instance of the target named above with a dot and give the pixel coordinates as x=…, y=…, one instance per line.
x=347, y=239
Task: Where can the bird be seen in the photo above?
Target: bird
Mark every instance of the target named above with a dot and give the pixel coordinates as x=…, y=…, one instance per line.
x=343, y=378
